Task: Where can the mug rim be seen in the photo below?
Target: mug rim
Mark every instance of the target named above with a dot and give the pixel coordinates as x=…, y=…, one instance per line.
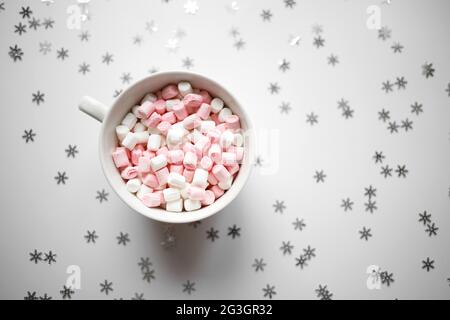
x=155, y=213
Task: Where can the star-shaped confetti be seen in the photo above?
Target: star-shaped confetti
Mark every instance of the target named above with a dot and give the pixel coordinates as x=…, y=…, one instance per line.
x=384, y=115
x=91, y=236
x=347, y=204
x=384, y=33
x=234, y=231
x=365, y=233
x=61, y=178
x=84, y=68
x=187, y=63
x=259, y=265
x=274, y=88
x=284, y=65
x=50, y=257
x=45, y=47
x=71, y=151
x=425, y=218
x=428, y=70
x=286, y=247
x=67, y=292
x=123, y=239
x=279, y=206
x=15, y=53
x=28, y=135
x=38, y=97
x=34, y=23
x=35, y=256
x=290, y=4
x=106, y=287
x=148, y=275
x=333, y=60
x=269, y=291
x=397, y=47
x=266, y=15
x=319, y=42
x=320, y=176
x=20, y=28
x=212, y=234
x=299, y=224
x=102, y=196
x=25, y=12
x=312, y=118
x=189, y=287
x=48, y=23
x=428, y=264
x=62, y=53
x=84, y=36
x=107, y=58
x=285, y=107
x=416, y=108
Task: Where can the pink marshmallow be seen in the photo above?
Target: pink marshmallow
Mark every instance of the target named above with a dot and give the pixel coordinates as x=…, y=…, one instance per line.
x=232, y=169
x=192, y=100
x=206, y=163
x=145, y=110
x=148, y=154
x=196, y=193
x=208, y=198
x=160, y=106
x=214, y=135
x=177, y=168
x=239, y=151
x=204, y=111
x=150, y=180
x=169, y=92
x=221, y=173
x=190, y=160
x=233, y=122
x=169, y=117
x=153, y=120
x=215, y=153
x=163, y=151
x=120, y=157
x=212, y=179
x=188, y=174
x=180, y=111
x=162, y=176
x=188, y=147
x=218, y=192
x=192, y=121
x=129, y=173
x=175, y=156
x=164, y=126
x=144, y=165
x=136, y=153
x=161, y=196
x=151, y=200
x=206, y=97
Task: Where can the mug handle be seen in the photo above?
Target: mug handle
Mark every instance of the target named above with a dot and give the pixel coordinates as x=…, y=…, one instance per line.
x=92, y=107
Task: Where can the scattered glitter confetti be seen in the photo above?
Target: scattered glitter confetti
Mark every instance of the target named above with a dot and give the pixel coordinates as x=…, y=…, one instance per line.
x=151, y=26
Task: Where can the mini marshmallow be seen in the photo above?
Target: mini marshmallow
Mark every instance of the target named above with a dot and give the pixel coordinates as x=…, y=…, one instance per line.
x=228, y=158
x=232, y=121
x=129, y=120
x=134, y=111
x=176, y=168
x=150, y=180
x=202, y=145
x=162, y=176
x=169, y=117
x=153, y=120
x=145, y=110
x=208, y=198
x=216, y=105
x=191, y=205
x=196, y=193
x=232, y=169
x=212, y=179
x=192, y=121
x=188, y=174
x=176, y=180
x=207, y=125
x=160, y=106
x=169, y=92
x=206, y=96
x=133, y=185
x=141, y=136
x=139, y=127
x=206, y=163
x=218, y=192
x=192, y=100
x=171, y=194
x=221, y=173
x=200, y=178
x=180, y=111
x=224, y=114
x=175, y=156
x=135, y=155
x=184, y=191
x=172, y=102
x=184, y=88
x=190, y=160
x=226, y=139
x=215, y=153
x=175, y=135
x=238, y=140
x=175, y=206
x=226, y=184
x=214, y=135
x=121, y=132
x=149, y=97
x=154, y=142
x=163, y=127
x=143, y=189
x=158, y=162
x=151, y=200
x=130, y=141
x=204, y=111
x=144, y=164
x=120, y=158
x=129, y=173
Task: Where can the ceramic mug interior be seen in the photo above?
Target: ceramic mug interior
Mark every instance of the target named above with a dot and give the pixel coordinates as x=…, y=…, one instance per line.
x=131, y=97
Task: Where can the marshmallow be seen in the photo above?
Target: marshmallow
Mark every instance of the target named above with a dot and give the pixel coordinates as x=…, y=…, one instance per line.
x=226, y=139
x=180, y=111
x=121, y=132
x=169, y=117
x=171, y=194
x=232, y=122
x=196, y=193
x=120, y=158
x=176, y=180
x=143, y=189
x=160, y=106
x=141, y=136
x=216, y=105
x=176, y=168
x=175, y=156
x=153, y=120
x=158, y=162
x=192, y=100
x=204, y=111
x=200, y=178
x=206, y=163
x=129, y=120
x=238, y=140
x=162, y=175
x=144, y=165
x=175, y=135
x=130, y=140
x=208, y=198
x=218, y=192
x=192, y=121
x=154, y=142
x=175, y=206
x=135, y=155
x=134, y=111
x=206, y=126
x=221, y=173
x=129, y=173
x=138, y=127
x=228, y=158
x=184, y=88
x=133, y=185
x=145, y=110
x=184, y=191
x=149, y=97
x=169, y=92
x=215, y=153
x=224, y=114
x=191, y=205
x=226, y=184
x=164, y=127
x=206, y=96
x=151, y=200
x=172, y=102
x=188, y=174
x=150, y=180
x=190, y=160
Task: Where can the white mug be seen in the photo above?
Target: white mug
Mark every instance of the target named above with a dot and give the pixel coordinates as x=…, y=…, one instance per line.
x=111, y=117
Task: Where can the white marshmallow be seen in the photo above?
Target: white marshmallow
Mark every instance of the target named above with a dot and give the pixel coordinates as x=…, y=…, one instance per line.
x=195, y=136
x=200, y=178
x=158, y=162
x=139, y=126
x=226, y=139
x=175, y=135
x=171, y=194
x=191, y=205
x=134, y=111
x=133, y=185
x=207, y=125
x=184, y=88
x=154, y=142
x=190, y=159
x=141, y=136
x=121, y=132
x=228, y=158
x=130, y=141
x=154, y=131
x=238, y=140
x=216, y=105
x=225, y=185
x=175, y=206
x=176, y=180
x=129, y=120
x=171, y=103
x=143, y=189
x=224, y=114
x=149, y=97
x=184, y=191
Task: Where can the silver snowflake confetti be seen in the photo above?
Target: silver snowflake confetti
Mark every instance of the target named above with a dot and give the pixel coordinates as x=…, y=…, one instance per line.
x=151, y=26
x=384, y=33
x=284, y=65
x=91, y=236
x=365, y=233
x=428, y=70
x=71, y=151
x=312, y=118
x=266, y=15
x=28, y=135
x=106, y=287
x=259, y=265
x=84, y=68
x=62, y=53
x=320, y=176
x=285, y=107
x=123, y=239
x=45, y=47
x=279, y=206
x=188, y=287
x=299, y=224
x=269, y=291
x=102, y=196
x=61, y=178
x=107, y=58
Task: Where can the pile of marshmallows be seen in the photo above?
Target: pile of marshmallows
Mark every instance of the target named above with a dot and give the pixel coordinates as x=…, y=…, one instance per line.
x=179, y=149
